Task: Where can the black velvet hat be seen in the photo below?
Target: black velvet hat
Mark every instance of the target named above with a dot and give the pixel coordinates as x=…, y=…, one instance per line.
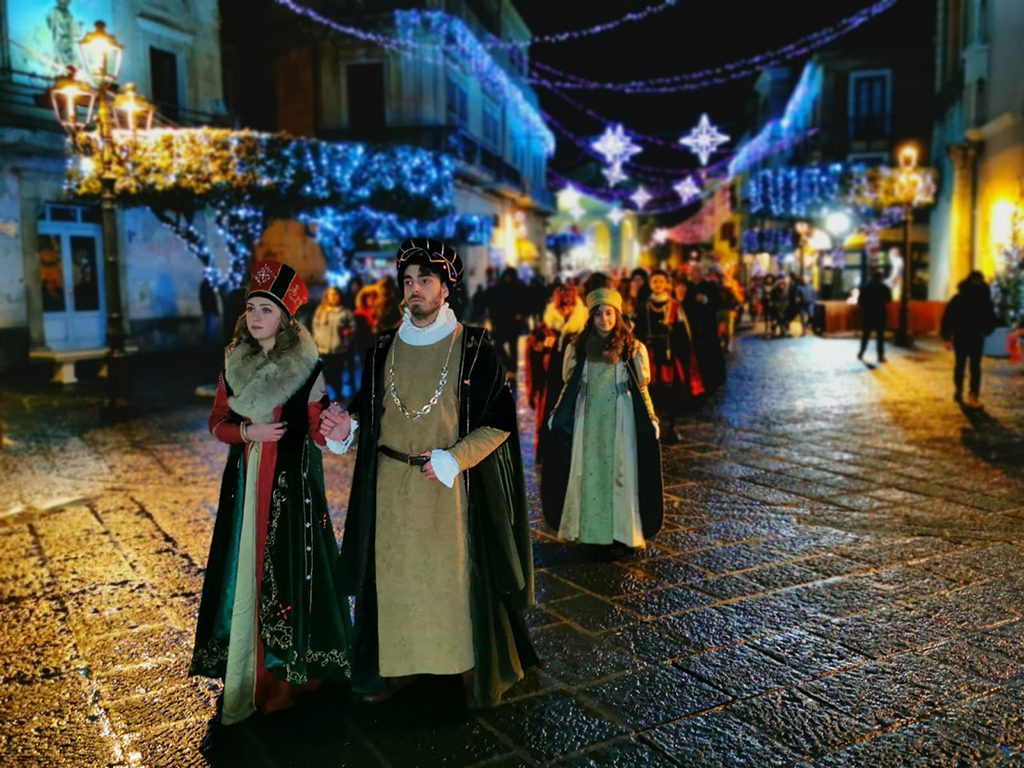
x=434, y=252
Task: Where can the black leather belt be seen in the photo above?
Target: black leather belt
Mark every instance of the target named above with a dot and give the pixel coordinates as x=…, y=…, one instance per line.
x=405, y=458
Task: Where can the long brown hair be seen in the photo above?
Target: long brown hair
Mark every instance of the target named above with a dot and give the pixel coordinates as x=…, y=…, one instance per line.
x=619, y=340
x=287, y=336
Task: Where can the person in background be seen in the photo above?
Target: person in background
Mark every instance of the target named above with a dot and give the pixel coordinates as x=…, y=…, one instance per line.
x=508, y=306
x=333, y=332
x=635, y=295
x=702, y=304
x=566, y=316
x=389, y=313
x=348, y=299
x=967, y=320
x=656, y=329
x=874, y=301
x=210, y=308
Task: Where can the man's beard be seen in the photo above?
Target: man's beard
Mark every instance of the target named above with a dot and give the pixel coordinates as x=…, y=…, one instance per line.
x=423, y=311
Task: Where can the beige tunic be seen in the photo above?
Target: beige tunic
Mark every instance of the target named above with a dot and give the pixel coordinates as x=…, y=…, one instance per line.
x=422, y=544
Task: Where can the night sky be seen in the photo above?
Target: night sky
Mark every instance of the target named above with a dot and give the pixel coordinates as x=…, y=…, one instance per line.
x=691, y=36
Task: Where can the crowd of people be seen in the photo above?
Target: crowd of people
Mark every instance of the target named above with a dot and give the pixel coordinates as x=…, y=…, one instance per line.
x=776, y=301
x=612, y=361
x=437, y=551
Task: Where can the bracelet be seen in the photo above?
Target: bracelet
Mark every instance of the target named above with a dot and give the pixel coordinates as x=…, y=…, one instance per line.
x=241, y=429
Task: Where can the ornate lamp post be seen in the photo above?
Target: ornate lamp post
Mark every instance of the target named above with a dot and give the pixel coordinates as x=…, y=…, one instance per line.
x=909, y=190
x=75, y=102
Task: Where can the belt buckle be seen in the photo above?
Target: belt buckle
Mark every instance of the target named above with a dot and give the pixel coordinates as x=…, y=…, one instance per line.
x=418, y=461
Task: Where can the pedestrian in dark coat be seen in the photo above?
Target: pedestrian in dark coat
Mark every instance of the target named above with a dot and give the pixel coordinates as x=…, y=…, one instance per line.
x=968, y=319
x=702, y=303
x=874, y=301
x=507, y=308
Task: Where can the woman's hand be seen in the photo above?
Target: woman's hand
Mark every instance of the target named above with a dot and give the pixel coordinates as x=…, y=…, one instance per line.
x=265, y=433
x=335, y=424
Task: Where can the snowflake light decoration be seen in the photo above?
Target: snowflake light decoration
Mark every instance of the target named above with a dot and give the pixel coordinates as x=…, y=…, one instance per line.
x=687, y=189
x=614, y=174
x=577, y=212
x=615, y=146
x=660, y=236
x=615, y=215
x=641, y=197
x=704, y=139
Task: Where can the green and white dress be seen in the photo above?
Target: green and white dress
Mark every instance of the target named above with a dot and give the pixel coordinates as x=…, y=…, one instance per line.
x=602, y=497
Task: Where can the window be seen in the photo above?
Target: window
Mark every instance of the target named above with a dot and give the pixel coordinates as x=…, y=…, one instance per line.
x=163, y=75
x=366, y=97
x=457, y=99
x=492, y=125
x=870, y=104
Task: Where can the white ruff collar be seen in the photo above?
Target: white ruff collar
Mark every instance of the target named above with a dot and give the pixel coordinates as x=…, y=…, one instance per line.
x=444, y=324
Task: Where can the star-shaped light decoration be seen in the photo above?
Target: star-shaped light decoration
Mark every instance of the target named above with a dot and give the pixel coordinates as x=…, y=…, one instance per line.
x=615, y=146
x=641, y=197
x=660, y=236
x=704, y=139
x=687, y=189
x=570, y=197
x=614, y=174
x=615, y=215
x=577, y=212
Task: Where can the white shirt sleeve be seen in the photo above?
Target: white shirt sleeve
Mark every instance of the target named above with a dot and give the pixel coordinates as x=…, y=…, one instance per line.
x=342, y=446
x=446, y=467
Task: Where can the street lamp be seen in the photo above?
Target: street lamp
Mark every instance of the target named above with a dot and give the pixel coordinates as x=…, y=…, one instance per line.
x=909, y=189
x=75, y=101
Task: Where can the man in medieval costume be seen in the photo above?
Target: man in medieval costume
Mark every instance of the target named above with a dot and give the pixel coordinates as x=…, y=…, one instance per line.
x=437, y=543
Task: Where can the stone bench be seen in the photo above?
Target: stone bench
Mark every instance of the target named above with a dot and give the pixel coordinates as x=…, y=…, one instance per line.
x=64, y=360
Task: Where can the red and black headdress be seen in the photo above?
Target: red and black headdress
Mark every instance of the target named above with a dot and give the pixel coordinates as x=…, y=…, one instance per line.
x=279, y=283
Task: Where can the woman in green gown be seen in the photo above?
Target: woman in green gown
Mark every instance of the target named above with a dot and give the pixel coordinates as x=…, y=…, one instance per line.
x=602, y=482
x=272, y=622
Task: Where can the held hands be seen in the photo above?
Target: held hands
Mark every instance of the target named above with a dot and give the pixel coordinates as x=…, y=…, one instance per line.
x=335, y=423
x=265, y=433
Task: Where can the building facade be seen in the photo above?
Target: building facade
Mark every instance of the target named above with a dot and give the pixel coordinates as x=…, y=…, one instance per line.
x=591, y=235
x=845, y=108
x=446, y=76
x=51, y=249
x=978, y=139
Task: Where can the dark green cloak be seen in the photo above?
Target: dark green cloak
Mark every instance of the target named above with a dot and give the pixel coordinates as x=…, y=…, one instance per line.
x=303, y=613
x=501, y=556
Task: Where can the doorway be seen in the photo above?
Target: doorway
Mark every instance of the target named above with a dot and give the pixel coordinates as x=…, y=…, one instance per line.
x=70, y=252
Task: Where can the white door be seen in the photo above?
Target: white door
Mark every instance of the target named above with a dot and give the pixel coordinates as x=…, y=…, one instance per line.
x=71, y=275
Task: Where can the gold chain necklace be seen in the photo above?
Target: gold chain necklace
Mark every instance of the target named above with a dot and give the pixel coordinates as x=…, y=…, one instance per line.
x=420, y=412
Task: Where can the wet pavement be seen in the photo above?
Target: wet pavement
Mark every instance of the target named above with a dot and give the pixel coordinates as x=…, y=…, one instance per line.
x=840, y=582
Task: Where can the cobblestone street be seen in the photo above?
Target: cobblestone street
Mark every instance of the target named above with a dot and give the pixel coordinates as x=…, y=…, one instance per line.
x=840, y=582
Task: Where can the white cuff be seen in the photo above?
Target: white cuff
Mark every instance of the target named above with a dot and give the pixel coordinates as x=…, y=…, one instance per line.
x=342, y=446
x=446, y=467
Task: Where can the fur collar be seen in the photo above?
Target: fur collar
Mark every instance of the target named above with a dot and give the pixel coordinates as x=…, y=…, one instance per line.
x=262, y=383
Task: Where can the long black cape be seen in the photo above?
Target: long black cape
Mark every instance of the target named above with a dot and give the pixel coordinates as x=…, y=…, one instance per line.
x=501, y=556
